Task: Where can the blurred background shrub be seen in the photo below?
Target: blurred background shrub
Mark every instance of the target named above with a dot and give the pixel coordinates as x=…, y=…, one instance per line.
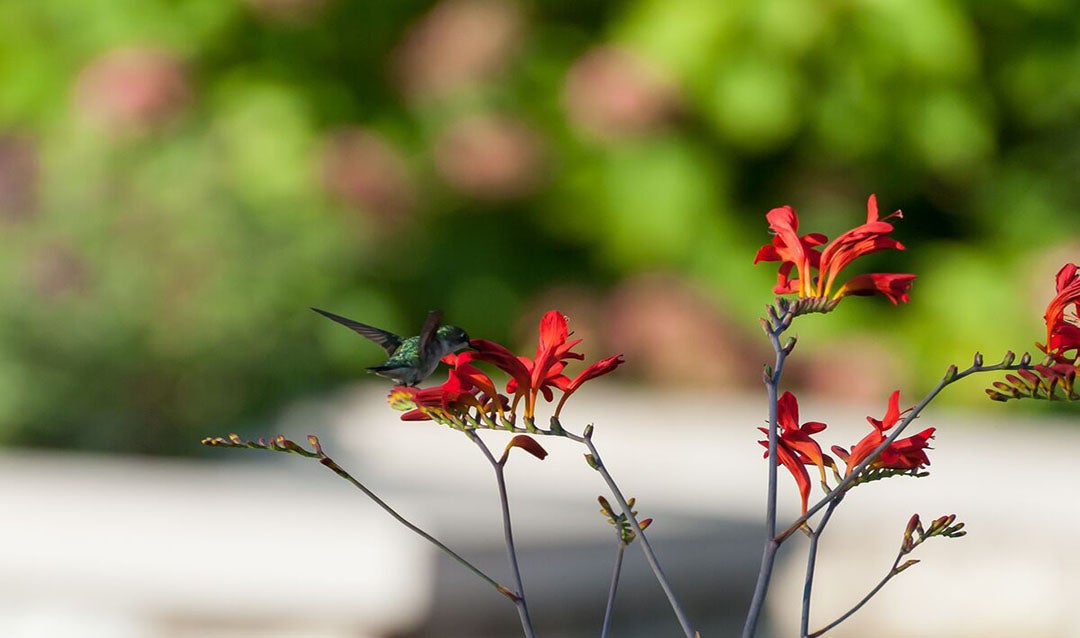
x=181, y=179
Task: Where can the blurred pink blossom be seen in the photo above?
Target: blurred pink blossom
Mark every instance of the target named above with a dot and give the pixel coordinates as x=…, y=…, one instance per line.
x=56, y=270
x=458, y=43
x=363, y=169
x=19, y=173
x=132, y=90
x=857, y=368
x=679, y=338
x=490, y=157
x=612, y=93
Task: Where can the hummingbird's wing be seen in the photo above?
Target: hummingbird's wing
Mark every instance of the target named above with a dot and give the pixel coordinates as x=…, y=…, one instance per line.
x=388, y=340
x=429, y=345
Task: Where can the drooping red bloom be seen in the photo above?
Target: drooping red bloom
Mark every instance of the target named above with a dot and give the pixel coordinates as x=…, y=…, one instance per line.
x=597, y=369
x=902, y=454
x=1062, y=324
x=799, y=253
x=794, y=447
x=537, y=376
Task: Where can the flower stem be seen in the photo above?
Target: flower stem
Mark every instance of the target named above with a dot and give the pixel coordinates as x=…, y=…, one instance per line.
x=950, y=377
x=619, y=551
x=858, y=606
x=780, y=321
x=646, y=547
x=337, y=469
x=508, y=534
x=811, y=563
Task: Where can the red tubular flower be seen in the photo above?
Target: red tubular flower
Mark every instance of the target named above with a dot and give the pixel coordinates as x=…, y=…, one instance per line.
x=538, y=376
x=521, y=371
x=446, y=402
x=871, y=237
x=505, y=360
x=800, y=254
x=470, y=373
x=597, y=369
x=551, y=354
x=908, y=453
x=794, y=447
x=466, y=388
x=1062, y=325
x=792, y=250
x=903, y=454
x=893, y=286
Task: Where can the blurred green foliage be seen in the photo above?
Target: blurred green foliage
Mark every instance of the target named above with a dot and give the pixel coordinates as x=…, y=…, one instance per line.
x=180, y=179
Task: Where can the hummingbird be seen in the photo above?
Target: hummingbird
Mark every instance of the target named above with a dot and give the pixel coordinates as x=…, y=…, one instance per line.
x=410, y=360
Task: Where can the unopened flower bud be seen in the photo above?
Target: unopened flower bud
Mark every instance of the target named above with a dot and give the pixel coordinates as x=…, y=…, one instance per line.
x=906, y=565
x=909, y=532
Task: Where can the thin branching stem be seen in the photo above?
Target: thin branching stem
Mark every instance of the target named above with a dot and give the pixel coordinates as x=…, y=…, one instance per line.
x=281, y=444
x=778, y=321
x=811, y=564
x=619, y=551
x=508, y=535
x=892, y=572
x=337, y=469
x=780, y=317
x=950, y=377
x=650, y=556
x=774, y=328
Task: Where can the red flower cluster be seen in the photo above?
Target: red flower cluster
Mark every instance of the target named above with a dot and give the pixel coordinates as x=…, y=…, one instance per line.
x=795, y=449
x=800, y=253
x=1062, y=324
x=902, y=454
x=467, y=388
x=470, y=393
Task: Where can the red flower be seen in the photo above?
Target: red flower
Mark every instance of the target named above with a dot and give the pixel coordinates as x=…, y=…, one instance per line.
x=505, y=360
x=466, y=388
x=800, y=254
x=903, y=454
x=530, y=377
x=894, y=286
x=792, y=250
x=597, y=369
x=1062, y=325
x=794, y=447
x=470, y=374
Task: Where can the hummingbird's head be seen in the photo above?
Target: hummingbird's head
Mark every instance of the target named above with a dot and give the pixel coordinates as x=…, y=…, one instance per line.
x=455, y=338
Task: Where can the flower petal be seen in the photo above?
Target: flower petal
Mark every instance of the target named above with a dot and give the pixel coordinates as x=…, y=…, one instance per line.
x=503, y=359
x=596, y=369
x=893, y=286
x=553, y=331
x=526, y=443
